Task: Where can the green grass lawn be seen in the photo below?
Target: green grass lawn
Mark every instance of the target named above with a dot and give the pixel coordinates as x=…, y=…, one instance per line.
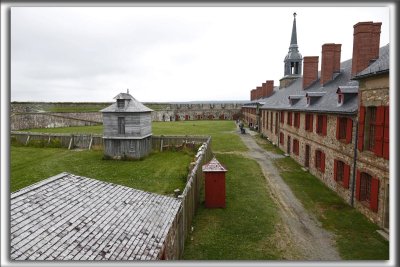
x=30, y=165
x=222, y=132
x=356, y=236
x=244, y=229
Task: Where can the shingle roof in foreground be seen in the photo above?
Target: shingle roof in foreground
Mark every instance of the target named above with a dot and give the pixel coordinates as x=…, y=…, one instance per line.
x=69, y=217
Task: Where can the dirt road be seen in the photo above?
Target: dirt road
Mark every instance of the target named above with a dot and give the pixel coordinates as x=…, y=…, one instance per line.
x=300, y=237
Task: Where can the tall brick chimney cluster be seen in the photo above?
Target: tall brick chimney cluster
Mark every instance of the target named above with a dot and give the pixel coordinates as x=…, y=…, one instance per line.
x=365, y=45
x=262, y=91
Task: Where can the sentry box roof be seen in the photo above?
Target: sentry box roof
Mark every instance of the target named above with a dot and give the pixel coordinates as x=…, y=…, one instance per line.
x=214, y=166
x=69, y=217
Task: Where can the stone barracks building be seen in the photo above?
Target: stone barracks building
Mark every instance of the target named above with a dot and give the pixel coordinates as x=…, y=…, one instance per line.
x=334, y=122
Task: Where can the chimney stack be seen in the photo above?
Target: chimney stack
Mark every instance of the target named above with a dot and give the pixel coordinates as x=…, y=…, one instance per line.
x=258, y=92
x=252, y=94
x=270, y=87
x=365, y=45
x=264, y=90
x=330, y=62
x=310, y=70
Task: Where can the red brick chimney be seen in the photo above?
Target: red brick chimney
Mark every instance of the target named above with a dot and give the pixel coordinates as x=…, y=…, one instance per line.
x=264, y=90
x=330, y=62
x=252, y=94
x=310, y=70
x=258, y=92
x=365, y=44
x=270, y=87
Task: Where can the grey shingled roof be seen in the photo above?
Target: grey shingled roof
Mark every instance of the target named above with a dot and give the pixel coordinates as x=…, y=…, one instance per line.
x=327, y=103
x=69, y=217
x=381, y=65
x=133, y=105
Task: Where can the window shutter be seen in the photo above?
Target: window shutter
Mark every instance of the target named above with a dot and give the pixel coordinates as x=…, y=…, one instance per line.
x=322, y=161
x=315, y=159
x=386, y=134
x=337, y=127
x=374, y=194
x=311, y=122
x=346, y=178
x=349, y=130
x=380, y=118
x=335, y=169
x=361, y=122
x=324, y=125
x=358, y=185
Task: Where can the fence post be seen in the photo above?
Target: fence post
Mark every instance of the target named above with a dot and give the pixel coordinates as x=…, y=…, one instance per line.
x=90, y=143
x=70, y=141
x=27, y=139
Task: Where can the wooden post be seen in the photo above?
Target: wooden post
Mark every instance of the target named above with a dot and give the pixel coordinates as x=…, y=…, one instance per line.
x=70, y=142
x=48, y=141
x=161, y=146
x=91, y=140
x=27, y=139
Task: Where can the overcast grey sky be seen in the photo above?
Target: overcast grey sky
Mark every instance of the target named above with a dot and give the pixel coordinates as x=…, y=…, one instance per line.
x=167, y=53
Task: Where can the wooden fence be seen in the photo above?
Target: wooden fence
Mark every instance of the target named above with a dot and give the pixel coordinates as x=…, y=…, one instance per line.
x=190, y=195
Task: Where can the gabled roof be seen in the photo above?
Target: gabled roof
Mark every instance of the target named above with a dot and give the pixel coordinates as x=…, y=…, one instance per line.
x=381, y=65
x=131, y=105
x=69, y=217
x=347, y=90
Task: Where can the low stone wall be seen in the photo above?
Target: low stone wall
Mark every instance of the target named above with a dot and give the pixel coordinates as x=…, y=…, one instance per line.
x=47, y=120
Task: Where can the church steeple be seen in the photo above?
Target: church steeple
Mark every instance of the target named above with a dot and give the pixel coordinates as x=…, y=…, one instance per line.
x=293, y=60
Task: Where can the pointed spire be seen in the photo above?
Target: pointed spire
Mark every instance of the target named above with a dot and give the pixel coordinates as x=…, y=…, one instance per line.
x=293, y=41
x=293, y=60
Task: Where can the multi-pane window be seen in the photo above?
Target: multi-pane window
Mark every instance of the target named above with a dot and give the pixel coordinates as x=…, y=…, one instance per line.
x=367, y=190
x=321, y=124
x=340, y=99
x=344, y=128
x=340, y=171
x=365, y=187
x=296, y=146
x=271, y=121
x=297, y=119
x=267, y=117
x=282, y=116
x=281, y=138
x=320, y=160
x=276, y=123
x=289, y=118
x=121, y=125
x=371, y=117
x=309, y=122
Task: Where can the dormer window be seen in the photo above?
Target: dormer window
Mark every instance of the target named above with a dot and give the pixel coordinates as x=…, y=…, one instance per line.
x=340, y=99
x=120, y=103
x=308, y=100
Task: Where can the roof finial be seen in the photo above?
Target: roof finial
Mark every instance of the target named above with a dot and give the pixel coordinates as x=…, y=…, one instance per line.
x=127, y=90
x=294, y=14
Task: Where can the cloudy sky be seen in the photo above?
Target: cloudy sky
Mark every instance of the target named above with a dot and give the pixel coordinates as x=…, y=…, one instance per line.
x=167, y=53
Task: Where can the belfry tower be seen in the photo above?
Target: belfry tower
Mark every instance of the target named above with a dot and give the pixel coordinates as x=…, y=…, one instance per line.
x=293, y=60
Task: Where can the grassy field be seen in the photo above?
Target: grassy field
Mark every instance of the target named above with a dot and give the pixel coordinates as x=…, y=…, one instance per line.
x=223, y=132
x=30, y=165
x=245, y=228
x=356, y=236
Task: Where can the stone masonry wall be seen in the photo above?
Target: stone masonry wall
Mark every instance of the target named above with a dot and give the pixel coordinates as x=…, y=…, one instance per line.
x=374, y=91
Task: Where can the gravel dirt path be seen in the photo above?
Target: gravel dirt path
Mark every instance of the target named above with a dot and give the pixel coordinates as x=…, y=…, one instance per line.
x=300, y=237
